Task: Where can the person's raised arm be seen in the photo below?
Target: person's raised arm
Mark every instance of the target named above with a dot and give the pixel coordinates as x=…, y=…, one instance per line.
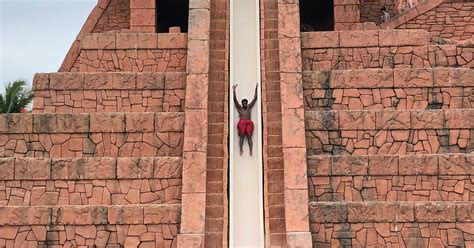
x=236, y=102
x=254, y=97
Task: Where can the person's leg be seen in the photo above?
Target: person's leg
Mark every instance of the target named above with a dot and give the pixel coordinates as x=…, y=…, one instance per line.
x=249, y=138
x=241, y=143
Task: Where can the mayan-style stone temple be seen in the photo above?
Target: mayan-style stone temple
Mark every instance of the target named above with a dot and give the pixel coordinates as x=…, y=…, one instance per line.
x=364, y=131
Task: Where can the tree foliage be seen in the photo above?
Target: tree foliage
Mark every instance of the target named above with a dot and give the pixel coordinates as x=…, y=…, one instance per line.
x=16, y=97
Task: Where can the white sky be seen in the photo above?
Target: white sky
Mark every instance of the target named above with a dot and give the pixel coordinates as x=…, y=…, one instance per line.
x=35, y=35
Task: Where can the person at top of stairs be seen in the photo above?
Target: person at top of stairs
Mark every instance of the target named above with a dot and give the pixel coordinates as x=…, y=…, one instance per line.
x=385, y=15
x=245, y=125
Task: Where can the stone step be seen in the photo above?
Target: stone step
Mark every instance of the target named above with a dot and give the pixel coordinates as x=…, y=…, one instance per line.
x=78, y=92
x=389, y=132
x=112, y=226
x=400, y=212
x=394, y=48
x=445, y=177
x=398, y=224
x=125, y=51
x=376, y=89
x=92, y=135
x=90, y=181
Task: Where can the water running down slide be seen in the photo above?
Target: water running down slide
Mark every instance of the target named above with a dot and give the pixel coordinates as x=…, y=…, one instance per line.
x=246, y=186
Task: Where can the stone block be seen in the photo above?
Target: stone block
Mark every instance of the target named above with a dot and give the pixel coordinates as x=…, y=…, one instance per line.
x=367, y=78
x=162, y=214
x=435, y=212
x=349, y=165
x=97, y=80
x=127, y=41
x=79, y=215
x=148, y=41
x=322, y=120
x=391, y=120
x=194, y=172
x=359, y=38
x=66, y=81
x=41, y=81
x=16, y=123
x=83, y=168
x=7, y=168
x=383, y=165
x=427, y=119
x=107, y=122
x=140, y=122
x=456, y=164
x=172, y=40
x=28, y=216
x=380, y=212
x=169, y=122
x=320, y=40
x=403, y=37
x=151, y=81
x=142, y=17
x=124, y=80
x=168, y=168
x=61, y=123
x=199, y=98
x=413, y=78
x=412, y=165
x=356, y=120
x=328, y=212
x=32, y=168
x=198, y=57
x=193, y=213
x=453, y=77
x=295, y=168
x=132, y=214
x=195, y=132
x=199, y=24
x=459, y=118
x=135, y=168
x=319, y=165
x=296, y=212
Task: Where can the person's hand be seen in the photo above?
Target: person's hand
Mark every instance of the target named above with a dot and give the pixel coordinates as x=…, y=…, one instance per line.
x=234, y=86
x=256, y=86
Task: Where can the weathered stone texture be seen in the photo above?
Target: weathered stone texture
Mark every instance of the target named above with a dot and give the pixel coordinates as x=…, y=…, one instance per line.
x=451, y=19
x=115, y=17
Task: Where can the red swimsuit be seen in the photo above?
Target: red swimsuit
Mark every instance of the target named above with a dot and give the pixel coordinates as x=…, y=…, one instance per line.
x=245, y=127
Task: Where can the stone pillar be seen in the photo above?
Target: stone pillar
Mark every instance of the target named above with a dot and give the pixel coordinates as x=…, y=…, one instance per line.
x=293, y=126
x=346, y=14
x=143, y=16
x=196, y=127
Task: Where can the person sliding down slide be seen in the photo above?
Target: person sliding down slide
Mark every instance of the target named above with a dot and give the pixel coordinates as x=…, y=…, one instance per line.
x=245, y=125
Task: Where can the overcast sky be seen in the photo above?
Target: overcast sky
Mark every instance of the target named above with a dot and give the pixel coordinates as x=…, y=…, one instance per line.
x=35, y=35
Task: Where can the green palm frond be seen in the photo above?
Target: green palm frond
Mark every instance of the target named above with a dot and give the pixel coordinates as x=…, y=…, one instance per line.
x=16, y=97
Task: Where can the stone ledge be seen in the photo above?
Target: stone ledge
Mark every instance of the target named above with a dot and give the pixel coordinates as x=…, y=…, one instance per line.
x=389, y=120
x=109, y=80
x=400, y=212
x=91, y=123
x=411, y=14
x=90, y=168
x=455, y=164
x=364, y=38
x=112, y=41
x=388, y=78
x=91, y=215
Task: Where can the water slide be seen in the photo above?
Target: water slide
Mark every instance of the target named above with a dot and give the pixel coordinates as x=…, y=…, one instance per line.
x=246, y=186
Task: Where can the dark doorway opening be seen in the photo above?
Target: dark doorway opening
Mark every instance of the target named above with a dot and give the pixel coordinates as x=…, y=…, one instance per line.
x=317, y=15
x=172, y=13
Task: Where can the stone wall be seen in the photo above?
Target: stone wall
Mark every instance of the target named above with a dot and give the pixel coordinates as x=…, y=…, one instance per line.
x=380, y=49
x=109, y=92
x=134, y=52
x=92, y=135
x=451, y=19
x=380, y=89
x=272, y=128
x=115, y=17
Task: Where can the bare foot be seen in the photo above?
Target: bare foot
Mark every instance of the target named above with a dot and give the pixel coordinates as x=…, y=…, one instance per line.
x=241, y=152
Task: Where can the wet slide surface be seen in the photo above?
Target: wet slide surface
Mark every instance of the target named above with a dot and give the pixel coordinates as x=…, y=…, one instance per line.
x=246, y=186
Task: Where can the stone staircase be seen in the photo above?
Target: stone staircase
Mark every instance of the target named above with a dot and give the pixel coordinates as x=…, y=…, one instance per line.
x=99, y=162
x=389, y=138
